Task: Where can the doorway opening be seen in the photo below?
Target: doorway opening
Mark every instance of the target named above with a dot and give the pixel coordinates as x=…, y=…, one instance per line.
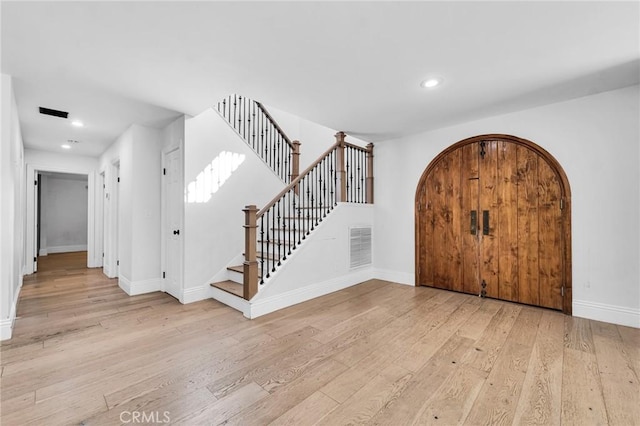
x=59, y=214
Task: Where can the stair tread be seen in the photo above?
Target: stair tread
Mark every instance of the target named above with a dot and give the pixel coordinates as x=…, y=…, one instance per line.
x=230, y=287
x=239, y=269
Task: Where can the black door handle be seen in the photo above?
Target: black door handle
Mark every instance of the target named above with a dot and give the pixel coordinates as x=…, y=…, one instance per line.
x=176, y=232
x=474, y=222
x=485, y=222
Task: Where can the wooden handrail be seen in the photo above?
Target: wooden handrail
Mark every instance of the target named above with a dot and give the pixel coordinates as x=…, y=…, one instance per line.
x=343, y=173
x=296, y=181
x=275, y=124
x=359, y=148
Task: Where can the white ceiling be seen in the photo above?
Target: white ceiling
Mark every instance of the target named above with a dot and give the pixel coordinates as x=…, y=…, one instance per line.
x=352, y=66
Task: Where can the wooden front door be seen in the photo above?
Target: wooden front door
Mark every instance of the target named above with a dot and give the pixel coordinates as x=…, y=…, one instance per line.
x=492, y=218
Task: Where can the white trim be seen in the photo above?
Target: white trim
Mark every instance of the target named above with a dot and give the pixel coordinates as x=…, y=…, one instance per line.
x=280, y=301
x=6, y=325
x=607, y=313
x=63, y=249
x=195, y=294
x=43, y=252
x=30, y=247
x=394, y=276
x=134, y=288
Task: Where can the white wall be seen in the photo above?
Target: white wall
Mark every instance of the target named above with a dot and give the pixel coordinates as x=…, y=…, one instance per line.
x=213, y=222
x=315, y=138
x=596, y=140
x=12, y=208
x=36, y=160
x=320, y=265
x=63, y=218
x=138, y=151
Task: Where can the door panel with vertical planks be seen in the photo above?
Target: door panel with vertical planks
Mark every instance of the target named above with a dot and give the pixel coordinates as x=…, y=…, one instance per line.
x=470, y=178
x=527, y=164
x=507, y=221
x=440, y=243
x=489, y=221
x=488, y=186
x=549, y=238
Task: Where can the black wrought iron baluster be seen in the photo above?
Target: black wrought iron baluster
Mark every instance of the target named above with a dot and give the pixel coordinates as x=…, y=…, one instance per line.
x=349, y=174
x=353, y=170
x=278, y=142
x=247, y=119
x=308, y=227
x=313, y=198
x=266, y=246
x=327, y=182
x=238, y=124
x=318, y=179
x=359, y=176
x=242, y=120
x=297, y=218
x=321, y=189
x=272, y=146
x=253, y=125
x=288, y=214
x=235, y=104
x=334, y=182
x=283, y=229
x=261, y=249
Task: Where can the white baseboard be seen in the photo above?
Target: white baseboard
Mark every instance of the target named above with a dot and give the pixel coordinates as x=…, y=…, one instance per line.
x=6, y=325
x=43, y=252
x=270, y=304
x=394, y=276
x=195, y=294
x=133, y=288
x=607, y=313
x=64, y=249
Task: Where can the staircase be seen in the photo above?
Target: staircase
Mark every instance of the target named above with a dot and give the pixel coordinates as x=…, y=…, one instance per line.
x=344, y=173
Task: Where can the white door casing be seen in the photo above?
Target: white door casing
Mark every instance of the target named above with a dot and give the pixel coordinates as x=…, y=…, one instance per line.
x=172, y=223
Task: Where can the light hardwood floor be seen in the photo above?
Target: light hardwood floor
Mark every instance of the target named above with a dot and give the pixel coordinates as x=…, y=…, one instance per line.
x=377, y=353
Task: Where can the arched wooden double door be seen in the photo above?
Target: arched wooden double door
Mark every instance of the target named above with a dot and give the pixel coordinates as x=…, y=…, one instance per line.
x=493, y=219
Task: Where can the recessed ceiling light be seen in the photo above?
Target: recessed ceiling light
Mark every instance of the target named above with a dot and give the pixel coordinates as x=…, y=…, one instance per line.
x=66, y=146
x=431, y=83
x=77, y=123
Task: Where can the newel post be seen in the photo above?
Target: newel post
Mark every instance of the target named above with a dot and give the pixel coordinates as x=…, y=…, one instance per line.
x=369, y=176
x=295, y=163
x=342, y=176
x=250, y=265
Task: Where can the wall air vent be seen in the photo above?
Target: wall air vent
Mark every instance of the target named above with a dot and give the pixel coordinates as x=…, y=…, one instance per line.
x=359, y=247
x=53, y=112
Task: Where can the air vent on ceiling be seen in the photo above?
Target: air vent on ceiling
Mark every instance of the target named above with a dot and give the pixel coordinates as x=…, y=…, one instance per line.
x=54, y=112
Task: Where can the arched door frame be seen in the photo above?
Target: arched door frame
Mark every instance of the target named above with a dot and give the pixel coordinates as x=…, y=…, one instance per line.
x=564, y=188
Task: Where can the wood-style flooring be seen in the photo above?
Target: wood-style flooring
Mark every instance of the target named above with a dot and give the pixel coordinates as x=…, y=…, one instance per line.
x=84, y=352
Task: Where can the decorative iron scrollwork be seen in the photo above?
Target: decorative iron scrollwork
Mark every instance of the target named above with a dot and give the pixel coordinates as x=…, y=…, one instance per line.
x=483, y=145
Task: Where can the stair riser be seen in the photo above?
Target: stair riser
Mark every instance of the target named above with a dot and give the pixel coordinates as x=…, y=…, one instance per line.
x=236, y=277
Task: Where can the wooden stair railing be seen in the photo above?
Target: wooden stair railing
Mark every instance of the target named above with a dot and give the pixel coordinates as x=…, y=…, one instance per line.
x=344, y=173
x=260, y=131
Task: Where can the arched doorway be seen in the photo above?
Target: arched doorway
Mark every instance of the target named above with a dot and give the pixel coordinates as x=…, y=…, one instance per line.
x=493, y=218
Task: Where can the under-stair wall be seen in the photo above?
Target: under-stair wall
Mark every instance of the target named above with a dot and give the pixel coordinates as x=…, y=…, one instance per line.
x=222, y=173
x=323, y=263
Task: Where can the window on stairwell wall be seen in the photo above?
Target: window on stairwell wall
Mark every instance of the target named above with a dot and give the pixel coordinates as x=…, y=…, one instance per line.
x=213, y=176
